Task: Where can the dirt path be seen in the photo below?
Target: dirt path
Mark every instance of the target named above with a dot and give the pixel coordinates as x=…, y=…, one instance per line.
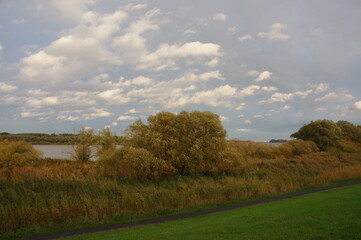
x=180, y=216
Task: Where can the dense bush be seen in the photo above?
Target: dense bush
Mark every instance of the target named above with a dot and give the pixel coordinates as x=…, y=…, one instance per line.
x=136, y=163
x=192, y=142
x=83, y=148
x=300, y=147
x=17, y=153
x=325, y=133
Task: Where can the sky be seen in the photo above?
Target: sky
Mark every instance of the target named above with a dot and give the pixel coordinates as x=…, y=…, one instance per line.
x=265, y=67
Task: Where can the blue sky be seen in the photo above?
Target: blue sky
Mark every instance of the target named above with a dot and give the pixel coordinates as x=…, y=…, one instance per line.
x=266, y=67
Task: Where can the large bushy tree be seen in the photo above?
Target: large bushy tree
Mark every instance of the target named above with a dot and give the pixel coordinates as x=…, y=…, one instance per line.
x=192, y=142
x=325, y=133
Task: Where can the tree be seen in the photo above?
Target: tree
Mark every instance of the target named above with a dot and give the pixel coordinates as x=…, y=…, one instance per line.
x=325, y=133
x=83, y=148
x=350, y=131
x=106, y=143
x=192, y=142
x=17, y=153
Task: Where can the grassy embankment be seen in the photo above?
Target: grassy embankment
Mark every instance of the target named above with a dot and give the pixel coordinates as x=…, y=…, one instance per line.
x=334, y=214
x=58, y=195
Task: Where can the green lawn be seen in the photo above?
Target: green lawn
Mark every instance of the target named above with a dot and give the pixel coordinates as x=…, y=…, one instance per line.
x=334, y=214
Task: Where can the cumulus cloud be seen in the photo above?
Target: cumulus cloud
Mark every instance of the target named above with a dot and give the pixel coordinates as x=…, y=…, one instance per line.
x=275, y=32
x=125, y=118
x=322, y=87
x=164, y=56
x=1, y=47
x=138, y=81
x=244, y=129
x=232, y=30
x=283, y=97
x=263, y=76
x=357, y=105
x=93, y=113
x=240, y=106
x=113, y=96
x=219, y=17
x=335, y=97
x=215, y=98
x=79, y=52
x=27, y=114
x=4, y=87
x=245, y=37
x=248, y=91
x=213, y=62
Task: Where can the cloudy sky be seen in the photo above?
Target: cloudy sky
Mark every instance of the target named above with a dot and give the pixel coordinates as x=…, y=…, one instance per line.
x=266, y=67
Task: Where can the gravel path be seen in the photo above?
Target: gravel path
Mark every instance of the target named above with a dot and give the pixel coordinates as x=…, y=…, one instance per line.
x=180, y=216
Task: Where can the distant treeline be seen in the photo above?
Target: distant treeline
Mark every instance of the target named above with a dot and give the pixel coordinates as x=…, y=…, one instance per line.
x=40, y=138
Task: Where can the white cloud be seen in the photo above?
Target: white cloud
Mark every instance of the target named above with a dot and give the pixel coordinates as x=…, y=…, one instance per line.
x=283, y=97
x=65, y=10
x=27, y=114
x=114, y=124
x=335, y=97
x=96, y=112
x=134, y=7
x=322, y=87
x=244, y=129
x=79, y=52
x=125, y=117
x=214, y=62
x=215, y=97
x=223, y=118
x=269, y=88
x=248, y=91
x=275, y=32
x=240, y=106
x=232, y=30
x=247, y=121
x=1, y=47
x=245, y=37
x=4, y=87
x=357, y=105
x=219, y=17
x=138, y=81
x=68, y=118
x=263, y=76
x=320, y=109
x=164, y=57
x=114, y=96
x=286, y=107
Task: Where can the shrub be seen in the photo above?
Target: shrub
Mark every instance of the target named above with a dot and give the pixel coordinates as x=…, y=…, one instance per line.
x=192, y=142
x=300, y=147
x=137, y=163
x=348, y=146
x=325, y=133
x=17, y=153
x=82, y=150
x=106, y=142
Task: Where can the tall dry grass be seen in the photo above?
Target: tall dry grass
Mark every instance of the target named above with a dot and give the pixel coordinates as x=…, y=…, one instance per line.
x=65, y=192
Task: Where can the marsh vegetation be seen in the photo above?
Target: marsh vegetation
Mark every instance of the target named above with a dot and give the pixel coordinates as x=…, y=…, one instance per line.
x=172, y=163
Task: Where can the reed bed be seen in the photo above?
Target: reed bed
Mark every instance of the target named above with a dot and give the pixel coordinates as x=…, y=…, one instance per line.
x=64, y=193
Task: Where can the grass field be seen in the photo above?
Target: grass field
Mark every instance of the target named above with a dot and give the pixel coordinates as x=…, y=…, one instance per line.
x=334, y=214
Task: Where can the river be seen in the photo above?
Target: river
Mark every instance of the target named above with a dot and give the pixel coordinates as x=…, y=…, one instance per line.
x=58, y=151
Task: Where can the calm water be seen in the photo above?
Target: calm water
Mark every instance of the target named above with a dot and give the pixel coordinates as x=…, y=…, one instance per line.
x=64, y=151
x=57, y=151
